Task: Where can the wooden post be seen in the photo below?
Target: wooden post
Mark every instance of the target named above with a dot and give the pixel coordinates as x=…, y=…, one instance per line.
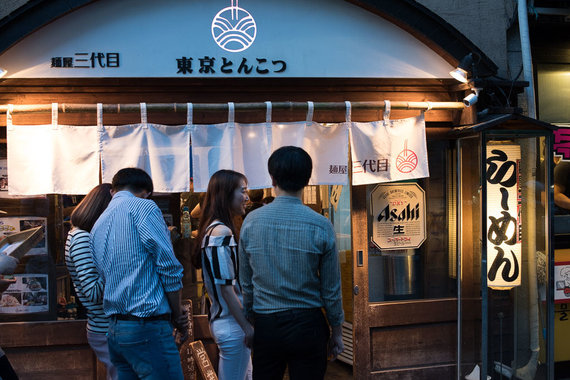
x=204, y=364
x=187, y=360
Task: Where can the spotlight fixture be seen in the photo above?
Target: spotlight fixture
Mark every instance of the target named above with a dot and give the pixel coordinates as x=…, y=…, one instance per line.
x=465, y=66
x=472, y=98
x=2, y=72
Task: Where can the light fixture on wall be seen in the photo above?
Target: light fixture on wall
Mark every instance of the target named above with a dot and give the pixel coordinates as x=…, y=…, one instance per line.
x=2, y=72
x=472, y=98
x=466, y=66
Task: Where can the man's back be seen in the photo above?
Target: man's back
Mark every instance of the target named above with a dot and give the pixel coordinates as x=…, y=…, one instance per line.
x=133, y=254
x=288, y=260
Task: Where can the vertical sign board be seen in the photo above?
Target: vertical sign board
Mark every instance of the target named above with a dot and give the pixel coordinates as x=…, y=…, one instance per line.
x=503, y=216
x=399, y=211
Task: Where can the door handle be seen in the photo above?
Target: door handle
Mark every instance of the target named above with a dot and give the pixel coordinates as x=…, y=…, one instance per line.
x=356, y=290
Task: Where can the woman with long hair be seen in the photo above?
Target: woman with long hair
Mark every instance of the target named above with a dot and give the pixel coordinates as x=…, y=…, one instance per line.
x=225, y=198
x=85, y=278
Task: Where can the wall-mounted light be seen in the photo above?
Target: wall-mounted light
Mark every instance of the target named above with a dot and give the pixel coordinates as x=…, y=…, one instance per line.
x=472, y=98
x=2, y=72
x=466, y=66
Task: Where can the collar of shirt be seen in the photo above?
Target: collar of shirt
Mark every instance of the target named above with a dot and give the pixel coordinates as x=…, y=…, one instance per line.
x=123, y=194
x=287, y=199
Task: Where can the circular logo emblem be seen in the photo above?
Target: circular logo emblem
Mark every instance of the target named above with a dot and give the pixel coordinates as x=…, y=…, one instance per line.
x=407, y=160
x=234, y=29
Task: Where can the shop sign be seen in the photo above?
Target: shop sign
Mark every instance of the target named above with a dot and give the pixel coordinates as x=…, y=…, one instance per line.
x=398, y=211
x=221, y=38
x=562, y=143
x=224, y=65
x=562, y=282
x=93, y=60
x=503, y=216
x=234, y=28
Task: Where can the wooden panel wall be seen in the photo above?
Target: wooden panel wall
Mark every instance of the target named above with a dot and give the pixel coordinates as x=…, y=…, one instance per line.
x=59, y=349
x=413, y=345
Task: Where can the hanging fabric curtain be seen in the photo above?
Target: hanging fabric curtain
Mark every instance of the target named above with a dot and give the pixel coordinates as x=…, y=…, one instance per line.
x=46, y=159
x=160, y=150
x=327, y=144
x=388, y=150
x=244, y=148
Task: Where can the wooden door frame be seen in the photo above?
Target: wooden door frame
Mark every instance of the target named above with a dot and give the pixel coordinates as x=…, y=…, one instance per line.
x=393, y=313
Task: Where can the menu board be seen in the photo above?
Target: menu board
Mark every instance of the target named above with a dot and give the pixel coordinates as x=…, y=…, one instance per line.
x=562, y=282
x=13, y=225
x=28, y=294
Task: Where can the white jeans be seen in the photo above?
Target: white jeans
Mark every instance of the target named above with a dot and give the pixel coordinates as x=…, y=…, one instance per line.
x=98, y=343
x=235, y=357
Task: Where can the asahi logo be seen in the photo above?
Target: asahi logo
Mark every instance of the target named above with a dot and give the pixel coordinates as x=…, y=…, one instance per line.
x=406, y=214
x=234, y=28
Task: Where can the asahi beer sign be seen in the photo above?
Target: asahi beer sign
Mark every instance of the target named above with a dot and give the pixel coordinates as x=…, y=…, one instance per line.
x=503, y=216
x=399, y=211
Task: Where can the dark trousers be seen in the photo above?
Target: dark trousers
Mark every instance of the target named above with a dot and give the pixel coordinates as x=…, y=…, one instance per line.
x=6, y=370
x=296, y=338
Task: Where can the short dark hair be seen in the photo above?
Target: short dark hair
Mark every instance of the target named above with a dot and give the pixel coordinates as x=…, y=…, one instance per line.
x=290, y=167
x=132, y=179
x=255, y=195
x=91, y=207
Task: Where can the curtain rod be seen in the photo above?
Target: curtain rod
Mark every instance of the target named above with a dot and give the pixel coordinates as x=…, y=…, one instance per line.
x=182, y=107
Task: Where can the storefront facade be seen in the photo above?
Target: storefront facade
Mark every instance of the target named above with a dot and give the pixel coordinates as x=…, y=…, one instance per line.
x=422, y=311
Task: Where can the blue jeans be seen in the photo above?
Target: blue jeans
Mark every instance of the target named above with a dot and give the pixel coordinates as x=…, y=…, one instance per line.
x=235, y=357
x=98, y=343
x=144, y=350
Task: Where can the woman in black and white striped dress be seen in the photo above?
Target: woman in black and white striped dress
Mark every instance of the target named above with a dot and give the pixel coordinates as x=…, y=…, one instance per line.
x=225, y=198
x=86, y=280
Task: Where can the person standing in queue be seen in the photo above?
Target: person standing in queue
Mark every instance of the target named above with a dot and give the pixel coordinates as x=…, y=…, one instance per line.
x=142, y=279
x=226, y=198
x=289, y=270
x=84, y=275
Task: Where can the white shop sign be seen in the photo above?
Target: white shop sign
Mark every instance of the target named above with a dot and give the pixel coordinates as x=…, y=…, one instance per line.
x=399, y=216
x=222, y=38
x=504, y=265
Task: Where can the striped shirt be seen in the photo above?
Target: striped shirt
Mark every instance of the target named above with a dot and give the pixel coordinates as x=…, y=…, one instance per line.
x=134, y=256
x=288, y=260
x=219, y=267
x=86, y=280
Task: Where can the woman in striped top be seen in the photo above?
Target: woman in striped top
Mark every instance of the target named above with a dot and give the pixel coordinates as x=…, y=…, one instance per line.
x=86, y=280
x=225, y=198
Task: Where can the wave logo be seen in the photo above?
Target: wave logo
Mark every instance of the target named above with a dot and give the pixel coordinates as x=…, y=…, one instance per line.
x=407, y=160
x=233, y=28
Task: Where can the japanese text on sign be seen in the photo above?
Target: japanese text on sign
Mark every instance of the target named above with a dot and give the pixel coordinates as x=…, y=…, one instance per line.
x=87, y=61
x=224, y=65
x=503, y=224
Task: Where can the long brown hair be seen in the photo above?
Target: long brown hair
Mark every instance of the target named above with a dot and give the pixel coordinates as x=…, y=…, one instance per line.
x=91, y=207
x=217, y=206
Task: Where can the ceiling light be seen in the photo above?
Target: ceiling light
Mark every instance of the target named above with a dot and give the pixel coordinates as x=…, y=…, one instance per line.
x=465, y=66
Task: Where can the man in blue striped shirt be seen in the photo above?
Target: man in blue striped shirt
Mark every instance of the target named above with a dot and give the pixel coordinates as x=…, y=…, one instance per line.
x=142, y=280
x=289, y=270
